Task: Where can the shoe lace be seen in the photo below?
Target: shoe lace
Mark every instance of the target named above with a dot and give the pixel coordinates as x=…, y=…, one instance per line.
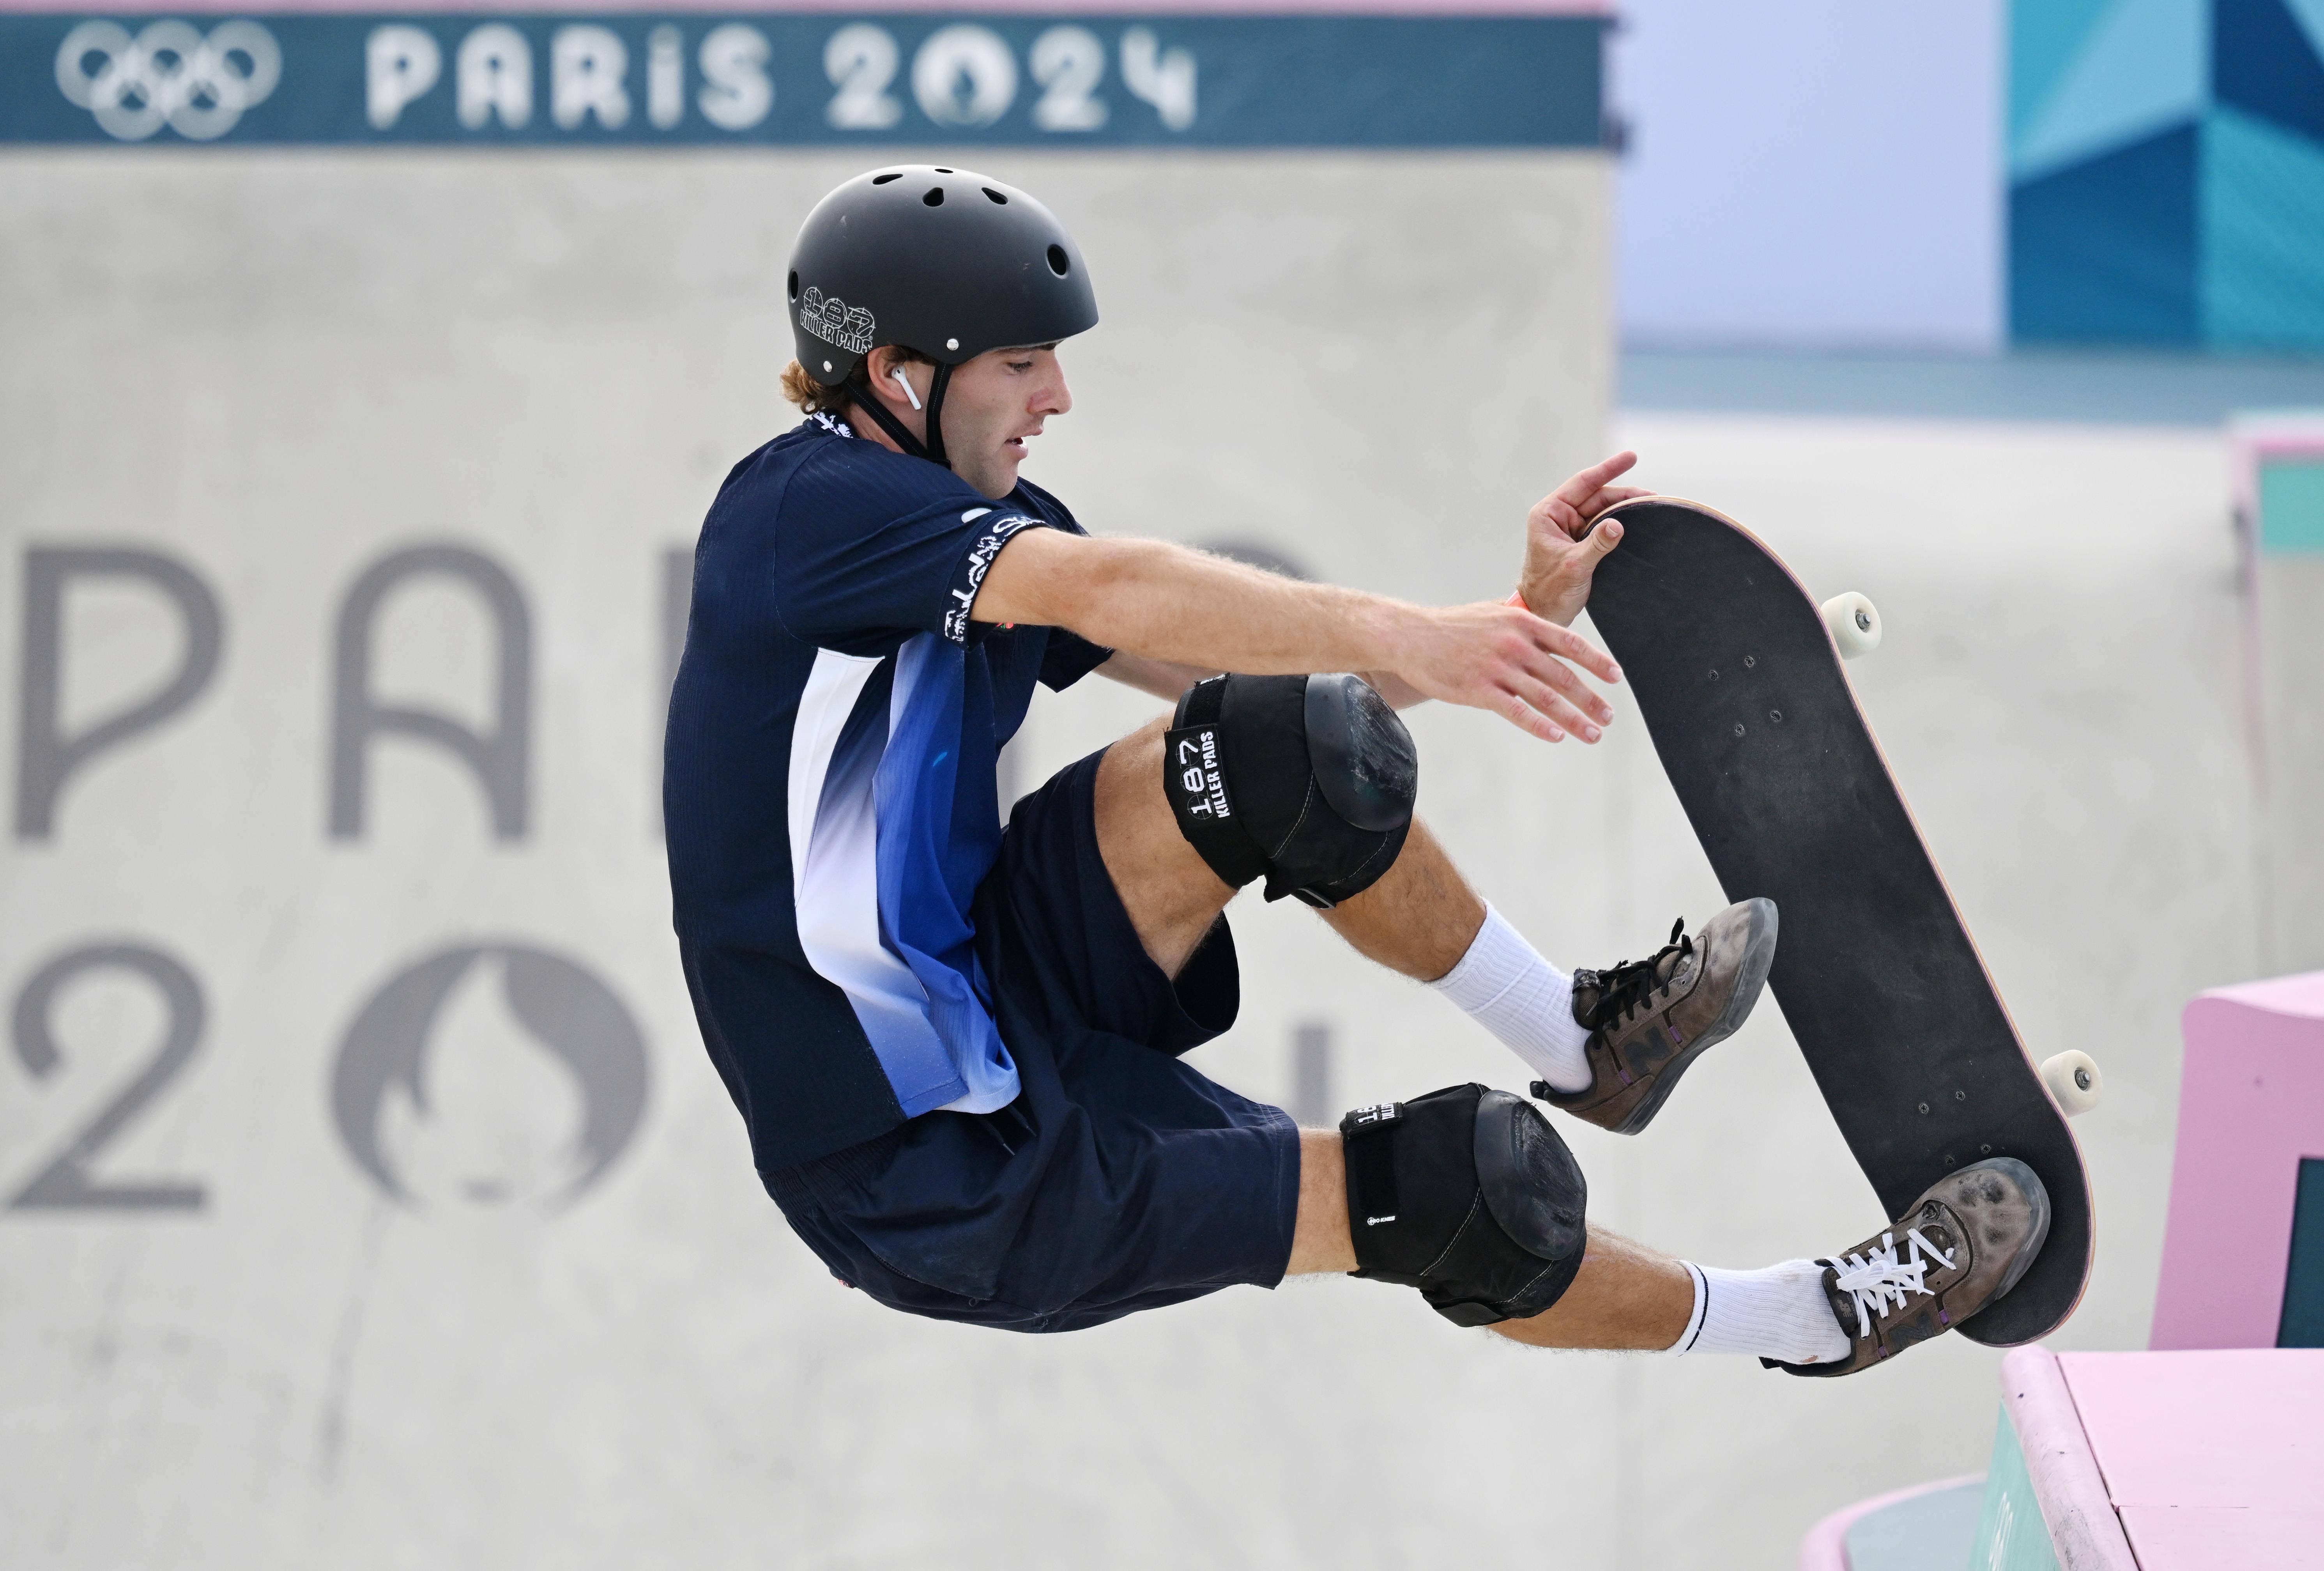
x=1878, y=1281
x=1627, y=984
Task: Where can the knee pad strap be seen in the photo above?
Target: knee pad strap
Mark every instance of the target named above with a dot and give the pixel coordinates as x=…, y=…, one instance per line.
x=1307, y=781
x=1470, y=1196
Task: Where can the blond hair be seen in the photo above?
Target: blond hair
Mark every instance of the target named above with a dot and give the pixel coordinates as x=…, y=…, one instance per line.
x=814, y=398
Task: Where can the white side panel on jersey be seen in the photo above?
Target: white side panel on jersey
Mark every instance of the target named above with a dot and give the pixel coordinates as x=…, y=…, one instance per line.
x=835, y=866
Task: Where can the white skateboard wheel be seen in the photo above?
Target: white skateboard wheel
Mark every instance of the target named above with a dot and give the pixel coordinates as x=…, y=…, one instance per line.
x=1855, y=624
x=2072, y=1077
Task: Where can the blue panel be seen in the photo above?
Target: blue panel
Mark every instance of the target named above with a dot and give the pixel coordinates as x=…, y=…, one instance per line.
x=2104, y=251
x=2263, y=218
x=963, y=81
x=2302, y=1324
x=2265, y=64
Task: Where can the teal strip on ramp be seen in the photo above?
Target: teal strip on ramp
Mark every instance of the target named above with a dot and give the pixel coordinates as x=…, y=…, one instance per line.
x=2011, y=1535
x=2302, y=1324
x=2292, y=508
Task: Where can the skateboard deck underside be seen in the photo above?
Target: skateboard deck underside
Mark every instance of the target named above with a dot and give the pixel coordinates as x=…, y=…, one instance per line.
x=1760, y=734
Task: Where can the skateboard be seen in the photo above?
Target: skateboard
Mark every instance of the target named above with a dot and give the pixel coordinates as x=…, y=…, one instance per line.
x=1736, y=669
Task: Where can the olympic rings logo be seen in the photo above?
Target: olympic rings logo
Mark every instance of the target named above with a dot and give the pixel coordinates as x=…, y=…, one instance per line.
x=168, y=74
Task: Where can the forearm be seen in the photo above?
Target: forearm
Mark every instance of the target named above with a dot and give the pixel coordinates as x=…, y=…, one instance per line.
x=1168, y=680
x=1166, y=607
x=1163, y=679
x=1167, y=603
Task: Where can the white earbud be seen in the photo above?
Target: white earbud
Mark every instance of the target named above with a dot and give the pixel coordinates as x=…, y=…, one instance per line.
x=905, y=383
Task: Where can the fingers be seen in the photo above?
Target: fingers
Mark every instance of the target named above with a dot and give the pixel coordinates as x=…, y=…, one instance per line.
x=1573, y=504
x=1568, y=645
x=1534, y=708
x=1514, y=708
x=1556, y=675
x=1609, y=496
x=1585, y=484
x=1546, y=701
x=1524, y=675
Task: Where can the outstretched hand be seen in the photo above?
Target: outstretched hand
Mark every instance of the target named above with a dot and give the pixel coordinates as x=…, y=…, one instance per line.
x=1505, y=659
x=1564, y=545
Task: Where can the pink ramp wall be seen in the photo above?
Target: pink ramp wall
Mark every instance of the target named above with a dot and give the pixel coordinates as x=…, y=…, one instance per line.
x=2251, y=1105
x=2213, y=1461
x=2196, y=1461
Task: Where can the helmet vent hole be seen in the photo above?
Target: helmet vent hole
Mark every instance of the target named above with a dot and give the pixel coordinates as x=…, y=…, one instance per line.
x=997, y=198
x=794, y=284
x=934, y=198
x=944, y=171
x=881, y=180
x=1058, y=261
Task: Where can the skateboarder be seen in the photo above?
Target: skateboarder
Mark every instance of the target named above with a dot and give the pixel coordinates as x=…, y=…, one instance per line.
x=956, y=1046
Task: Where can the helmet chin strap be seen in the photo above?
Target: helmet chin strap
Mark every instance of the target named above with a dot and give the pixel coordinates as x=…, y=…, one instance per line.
x=933, y=449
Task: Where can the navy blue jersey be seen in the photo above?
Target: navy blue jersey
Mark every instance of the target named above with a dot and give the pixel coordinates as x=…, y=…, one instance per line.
x=828, y=785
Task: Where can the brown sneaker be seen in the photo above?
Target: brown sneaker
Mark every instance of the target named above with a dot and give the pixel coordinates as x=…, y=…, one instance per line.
x=1963, y=1245
x=1649, y=1019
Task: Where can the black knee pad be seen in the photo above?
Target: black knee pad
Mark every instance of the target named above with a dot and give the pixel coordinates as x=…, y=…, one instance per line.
x=1308, y=780
x=1470, y=1196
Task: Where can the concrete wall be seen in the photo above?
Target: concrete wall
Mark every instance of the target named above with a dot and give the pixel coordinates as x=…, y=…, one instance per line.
x=466, y=1264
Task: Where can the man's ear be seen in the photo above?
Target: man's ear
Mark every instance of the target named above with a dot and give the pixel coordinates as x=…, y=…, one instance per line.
x=882, y=363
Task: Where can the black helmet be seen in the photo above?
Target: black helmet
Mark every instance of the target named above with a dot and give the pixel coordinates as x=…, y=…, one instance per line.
x=945, y=262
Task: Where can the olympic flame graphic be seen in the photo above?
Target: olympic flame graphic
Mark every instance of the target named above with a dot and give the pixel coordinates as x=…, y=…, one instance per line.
x=489, y=1076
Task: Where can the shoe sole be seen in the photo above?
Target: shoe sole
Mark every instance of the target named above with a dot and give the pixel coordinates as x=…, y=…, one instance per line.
x=1758, y=956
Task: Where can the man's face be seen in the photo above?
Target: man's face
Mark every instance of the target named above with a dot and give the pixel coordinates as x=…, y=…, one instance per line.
x=997, y=403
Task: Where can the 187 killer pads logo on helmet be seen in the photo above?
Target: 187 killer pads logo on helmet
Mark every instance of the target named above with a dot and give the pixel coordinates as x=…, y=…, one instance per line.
x=945, y=261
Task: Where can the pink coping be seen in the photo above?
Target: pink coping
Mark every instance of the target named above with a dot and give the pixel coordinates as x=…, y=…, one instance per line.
x=2072, y=1493
x=1448, y=9
x=2212, y=1459
x=2251, y=1105
x=1825, y=1548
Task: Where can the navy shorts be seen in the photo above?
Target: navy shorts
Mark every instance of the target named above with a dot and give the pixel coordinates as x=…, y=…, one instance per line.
x=1120, y=1179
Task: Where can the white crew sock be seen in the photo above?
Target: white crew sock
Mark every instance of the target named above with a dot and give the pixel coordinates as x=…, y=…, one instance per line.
x=1505, y=985
x=1779, y=1313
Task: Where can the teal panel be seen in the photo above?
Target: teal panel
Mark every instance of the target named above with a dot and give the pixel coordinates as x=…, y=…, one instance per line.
x=2291, y=523
x=2261, y=225
x=2010, y=1533
x=2044, y=35
x=2145, y=65
x=2303, y=1324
